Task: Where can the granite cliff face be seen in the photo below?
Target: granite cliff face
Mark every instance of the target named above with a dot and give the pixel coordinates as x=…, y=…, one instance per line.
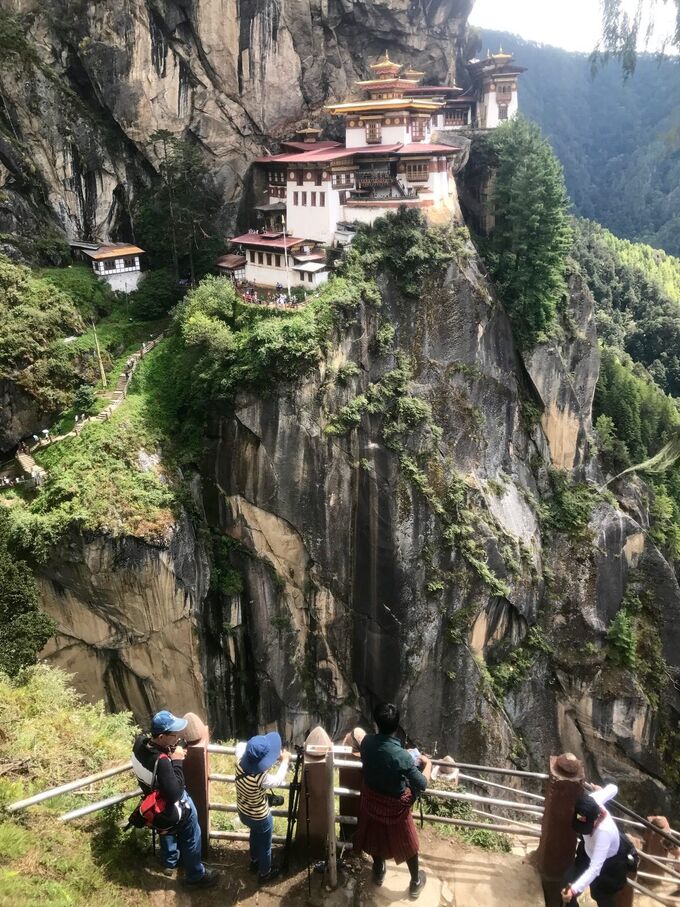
x=233, y=75
x=127, y=619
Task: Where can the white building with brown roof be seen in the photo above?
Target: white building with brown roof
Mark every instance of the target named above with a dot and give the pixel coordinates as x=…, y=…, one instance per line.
x=118, y=264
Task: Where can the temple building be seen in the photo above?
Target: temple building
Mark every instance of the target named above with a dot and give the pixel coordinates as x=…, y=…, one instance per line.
x=117, y=263
x=489, y=101
x=398, y=151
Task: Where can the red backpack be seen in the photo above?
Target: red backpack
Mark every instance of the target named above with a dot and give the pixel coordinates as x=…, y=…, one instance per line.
x=151, y=807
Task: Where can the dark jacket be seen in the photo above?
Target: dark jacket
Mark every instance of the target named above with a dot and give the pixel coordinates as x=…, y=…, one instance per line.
x=169, y=777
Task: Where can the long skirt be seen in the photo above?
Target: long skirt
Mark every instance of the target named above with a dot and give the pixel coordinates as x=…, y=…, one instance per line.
x=386, y=829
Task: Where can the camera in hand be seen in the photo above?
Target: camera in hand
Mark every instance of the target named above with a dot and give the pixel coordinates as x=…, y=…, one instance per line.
x=274, y=799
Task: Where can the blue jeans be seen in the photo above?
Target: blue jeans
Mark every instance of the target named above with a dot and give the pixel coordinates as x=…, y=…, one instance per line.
x=260, y=841
x=185, y=842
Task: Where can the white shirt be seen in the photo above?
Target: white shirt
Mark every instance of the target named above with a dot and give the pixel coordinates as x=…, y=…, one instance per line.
x=269, y=780
x=602, y=844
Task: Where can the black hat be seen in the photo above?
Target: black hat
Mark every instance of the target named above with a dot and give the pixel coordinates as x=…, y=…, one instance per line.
x=586, y=812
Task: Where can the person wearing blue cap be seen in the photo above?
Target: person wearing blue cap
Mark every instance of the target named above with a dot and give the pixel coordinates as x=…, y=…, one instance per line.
x=253, y=761
x=157, y=762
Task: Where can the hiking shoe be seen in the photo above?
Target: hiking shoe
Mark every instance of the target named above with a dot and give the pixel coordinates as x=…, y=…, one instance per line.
x=252, y=866
x=209, y=878
x=273, y=873
x=169, y=871
x=415, y=888
x=379, y=874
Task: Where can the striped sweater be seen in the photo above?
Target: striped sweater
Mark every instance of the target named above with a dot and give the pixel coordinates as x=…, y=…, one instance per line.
x=251, y=790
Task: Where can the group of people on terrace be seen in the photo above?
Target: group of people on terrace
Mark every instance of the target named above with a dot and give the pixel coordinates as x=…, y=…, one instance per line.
x=393, y=779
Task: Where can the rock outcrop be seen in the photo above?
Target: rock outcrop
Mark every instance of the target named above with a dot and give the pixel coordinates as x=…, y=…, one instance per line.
x=126, y=614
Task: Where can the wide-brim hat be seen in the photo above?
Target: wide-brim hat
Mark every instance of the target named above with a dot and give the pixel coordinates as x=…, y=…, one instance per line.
x=261, y=753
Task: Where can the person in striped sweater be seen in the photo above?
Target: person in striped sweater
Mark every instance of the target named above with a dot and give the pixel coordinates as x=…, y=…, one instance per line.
x=253, y=779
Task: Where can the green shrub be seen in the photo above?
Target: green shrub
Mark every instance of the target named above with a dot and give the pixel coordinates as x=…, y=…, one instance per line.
x=84, y=398
x=405, y=245
x=92, y=297
x=622, y=639
x=157, y=293
x=24, y=628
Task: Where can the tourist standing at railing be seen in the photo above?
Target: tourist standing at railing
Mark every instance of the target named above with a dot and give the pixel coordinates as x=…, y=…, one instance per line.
x=604, y=856
x=253, y=780
x=157, y=761
x=392, y=781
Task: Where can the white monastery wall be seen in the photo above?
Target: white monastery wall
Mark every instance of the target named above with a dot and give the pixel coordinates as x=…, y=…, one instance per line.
x=122, y=281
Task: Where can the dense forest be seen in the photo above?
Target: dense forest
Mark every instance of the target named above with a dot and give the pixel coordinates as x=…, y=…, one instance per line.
x=617, y=139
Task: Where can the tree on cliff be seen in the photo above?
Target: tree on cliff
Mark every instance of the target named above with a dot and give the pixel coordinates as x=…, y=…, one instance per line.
x=24, y=629
x=175, y=218
x=526, y=251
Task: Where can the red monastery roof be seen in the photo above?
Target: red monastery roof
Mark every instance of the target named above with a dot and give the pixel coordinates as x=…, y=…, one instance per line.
x=311, y=146
x=267, y=240
x=426, y=148
x=327, y=154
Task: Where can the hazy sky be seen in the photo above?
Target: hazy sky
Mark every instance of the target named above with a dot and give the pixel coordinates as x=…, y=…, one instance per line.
x=574, y=25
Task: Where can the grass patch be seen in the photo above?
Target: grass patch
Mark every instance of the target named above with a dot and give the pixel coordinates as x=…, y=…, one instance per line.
x=99, y=482
x=492, y=841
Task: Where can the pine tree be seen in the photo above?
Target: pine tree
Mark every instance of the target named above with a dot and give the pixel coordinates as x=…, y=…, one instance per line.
x=528, y=246
x=176, y=219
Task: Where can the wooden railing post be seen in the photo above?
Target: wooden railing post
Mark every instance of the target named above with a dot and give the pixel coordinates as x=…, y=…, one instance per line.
x=313, y=821
x=557, y=847
x=196, y=771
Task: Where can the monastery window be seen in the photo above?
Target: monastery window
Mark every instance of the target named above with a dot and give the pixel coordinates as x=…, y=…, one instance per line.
x=502, y=111
x=317, y=178
x=417, y=130
x=110, y=264
x=313, y=199
x=260, y=258
x=269, y=259
x=457, y=117
x=277, y=261
x=295, y=198
x=373, y=132
x=252, y=256
x=304, y=198
x=505, y=88
x=416, y=171
x=322, y=199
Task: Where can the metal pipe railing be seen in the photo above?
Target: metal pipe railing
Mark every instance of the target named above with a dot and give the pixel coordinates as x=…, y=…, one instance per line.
x=241, y=836
x=485, y=769
x=654, y=860
x=640, y=874
x=67, y=788
x=662, y=899
x=512, y=790
x=484, y=826
x=480, y=812
x=490, y=801
x=346, y=792
x=101, y=804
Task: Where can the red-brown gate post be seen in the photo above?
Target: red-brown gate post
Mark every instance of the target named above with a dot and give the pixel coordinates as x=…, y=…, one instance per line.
x=313, y=818
x=196, y=771
x=557, y=846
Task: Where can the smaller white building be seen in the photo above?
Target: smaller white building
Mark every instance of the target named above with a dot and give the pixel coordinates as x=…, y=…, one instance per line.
x=118, y=264
x=275, y=259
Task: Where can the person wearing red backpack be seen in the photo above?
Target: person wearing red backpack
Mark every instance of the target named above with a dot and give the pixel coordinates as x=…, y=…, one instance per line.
x=157, y=762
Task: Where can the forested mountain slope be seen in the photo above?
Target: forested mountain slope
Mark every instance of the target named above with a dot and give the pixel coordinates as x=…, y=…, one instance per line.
x=619, y=141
